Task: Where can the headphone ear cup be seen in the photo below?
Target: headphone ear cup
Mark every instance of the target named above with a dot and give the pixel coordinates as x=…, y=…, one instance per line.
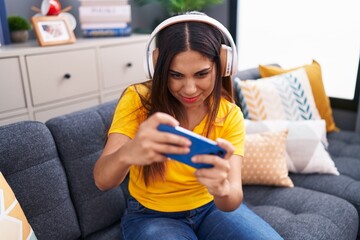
x=155, y=55
x=226, y=57
x=151, y=60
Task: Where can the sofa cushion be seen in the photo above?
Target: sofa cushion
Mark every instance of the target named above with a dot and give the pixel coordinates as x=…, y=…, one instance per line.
x=31, y=166
x=306, y=144
x=344, y=148
x=251, y=73
x=298, y=213
x=322, y=101
x=80, y=138
x=286, y=96
x=264, y=162
x=111, y=232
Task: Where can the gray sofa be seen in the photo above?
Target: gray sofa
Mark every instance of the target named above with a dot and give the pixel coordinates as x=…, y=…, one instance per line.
x=49, y=167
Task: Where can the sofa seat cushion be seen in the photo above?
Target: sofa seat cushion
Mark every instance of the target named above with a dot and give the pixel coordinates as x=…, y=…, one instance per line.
x=31, y=165
x=109, y=233
x=344, y=148
x=298, y=213
x=80, y=138
x=345, y=144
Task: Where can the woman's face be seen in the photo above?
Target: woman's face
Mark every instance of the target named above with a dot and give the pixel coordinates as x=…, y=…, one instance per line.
x=191, y=78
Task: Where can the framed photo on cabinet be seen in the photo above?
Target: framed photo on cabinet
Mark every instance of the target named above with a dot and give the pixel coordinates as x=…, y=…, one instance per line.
x=53, y=30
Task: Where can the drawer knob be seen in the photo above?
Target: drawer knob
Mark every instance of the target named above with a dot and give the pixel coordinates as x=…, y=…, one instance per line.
x=129, y=64
x=67, y=76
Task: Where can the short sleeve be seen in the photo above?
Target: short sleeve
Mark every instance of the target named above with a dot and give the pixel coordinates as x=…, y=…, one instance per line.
x=234, y=130
x=129, y=113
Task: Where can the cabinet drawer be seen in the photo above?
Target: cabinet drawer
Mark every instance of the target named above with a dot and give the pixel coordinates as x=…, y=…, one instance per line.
x=45, y=115
x=11, y=87
x=122, y=65
x=63, y=75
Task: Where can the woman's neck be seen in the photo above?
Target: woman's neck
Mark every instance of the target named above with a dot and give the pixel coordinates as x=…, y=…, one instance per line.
x=194, y=117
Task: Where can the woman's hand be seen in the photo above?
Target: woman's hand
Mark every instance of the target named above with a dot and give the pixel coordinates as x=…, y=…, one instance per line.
x=216, y=179
x=149, y=144
x=223, y=181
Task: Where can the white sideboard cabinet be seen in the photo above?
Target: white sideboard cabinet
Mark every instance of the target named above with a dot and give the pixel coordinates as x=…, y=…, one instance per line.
x=38, y=83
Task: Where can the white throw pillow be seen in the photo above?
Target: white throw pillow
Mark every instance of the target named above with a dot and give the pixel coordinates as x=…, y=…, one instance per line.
x=305, y=146
x=286, y=96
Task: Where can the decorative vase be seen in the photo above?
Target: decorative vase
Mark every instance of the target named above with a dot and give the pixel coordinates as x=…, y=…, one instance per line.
x=19, y=36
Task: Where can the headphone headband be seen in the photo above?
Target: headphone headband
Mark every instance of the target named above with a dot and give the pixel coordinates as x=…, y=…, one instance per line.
x=191, y=17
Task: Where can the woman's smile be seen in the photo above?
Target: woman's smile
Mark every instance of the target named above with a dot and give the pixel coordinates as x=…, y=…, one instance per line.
x=190, y=99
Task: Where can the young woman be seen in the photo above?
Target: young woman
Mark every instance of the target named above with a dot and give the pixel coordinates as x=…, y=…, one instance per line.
x=188, y=87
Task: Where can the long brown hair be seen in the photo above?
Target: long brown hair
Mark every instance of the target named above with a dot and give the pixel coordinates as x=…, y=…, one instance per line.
x=172, y=40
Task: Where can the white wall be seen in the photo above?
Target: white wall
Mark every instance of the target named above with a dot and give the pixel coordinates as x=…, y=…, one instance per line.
x=294, y=32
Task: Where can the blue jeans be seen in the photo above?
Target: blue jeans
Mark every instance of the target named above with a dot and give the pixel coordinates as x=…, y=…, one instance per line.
x=206, y=222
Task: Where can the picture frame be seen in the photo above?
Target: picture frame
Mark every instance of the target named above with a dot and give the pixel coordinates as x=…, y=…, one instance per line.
x=52, y=30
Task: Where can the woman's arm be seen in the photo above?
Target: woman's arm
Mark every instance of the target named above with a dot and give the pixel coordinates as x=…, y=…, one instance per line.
x=148, y=146
x=224, y=179
x=232, y=201
x=113, y=164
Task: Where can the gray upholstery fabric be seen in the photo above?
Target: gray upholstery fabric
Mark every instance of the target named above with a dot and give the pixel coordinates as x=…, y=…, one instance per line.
x=112, y=232
x=80, y=138
x=344, y=148
x=251, y=73
x=31, y=166
x=298, y=213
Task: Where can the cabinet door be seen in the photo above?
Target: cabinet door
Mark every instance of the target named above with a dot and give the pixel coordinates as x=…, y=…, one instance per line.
x=64, y=75
x=11, y=87
x=122, y=65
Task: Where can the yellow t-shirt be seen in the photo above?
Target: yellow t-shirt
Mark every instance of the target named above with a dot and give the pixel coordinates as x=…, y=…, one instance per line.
x=180, y=190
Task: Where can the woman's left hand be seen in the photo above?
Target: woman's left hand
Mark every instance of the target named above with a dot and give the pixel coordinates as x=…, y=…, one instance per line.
x=216, y=179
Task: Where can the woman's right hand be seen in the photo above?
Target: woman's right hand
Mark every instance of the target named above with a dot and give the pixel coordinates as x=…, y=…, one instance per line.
x=149, y=144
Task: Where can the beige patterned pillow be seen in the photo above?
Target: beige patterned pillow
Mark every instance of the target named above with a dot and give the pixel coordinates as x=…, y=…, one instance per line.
x=13, y=223
x=264, y=162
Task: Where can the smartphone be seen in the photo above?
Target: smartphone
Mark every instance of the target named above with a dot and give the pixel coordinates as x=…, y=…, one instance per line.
x=200, y=145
